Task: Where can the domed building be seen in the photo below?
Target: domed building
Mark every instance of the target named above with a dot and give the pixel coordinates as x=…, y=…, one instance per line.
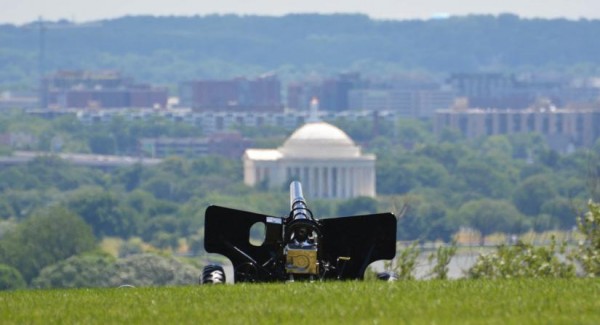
x=321, y=156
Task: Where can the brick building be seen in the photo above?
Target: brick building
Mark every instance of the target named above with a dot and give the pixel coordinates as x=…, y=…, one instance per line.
x=333, y=93
x=98, y=89
x=262, y=94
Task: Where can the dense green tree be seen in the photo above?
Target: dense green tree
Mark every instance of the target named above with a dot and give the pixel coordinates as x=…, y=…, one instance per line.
x=532, y=193
x=130, y=177
x=43, y=239
x=526, y=145
x=217, y=165
x=481, y=178
x=10, y=278
x=81, y=271
x=6, y=210
x=102, y=144
x=161, y=186
x=160, y=224
x=411, y=225
x=563, y=210
x=430, y=173
x=148, y=206
x=549, y=158
x=447, y=154
x=46, y=172
x=410, y=131
x=97, y=270
x=18, y=179
x=420, y=216
x=533, y=169
x=545, y=222
x=450, y=135
x=196, y=244
x=489, y=216
x=23, y=203
x=104, y=212
x=7, y=227
x=165, y=240
x=131, y=247
x=394, y=175
x=357, y=206
x=53, y=171
x=498, y=147
x=440, y=227
x=153, y=270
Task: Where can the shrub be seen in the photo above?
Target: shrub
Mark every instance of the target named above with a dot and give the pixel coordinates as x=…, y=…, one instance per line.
x=443, y=255
x=153, y=270
x=406, y=262
x=43, y=239
x=522, y=261
x=10, y=278
x=97, y=270
x=588, y=250
x=88, y=270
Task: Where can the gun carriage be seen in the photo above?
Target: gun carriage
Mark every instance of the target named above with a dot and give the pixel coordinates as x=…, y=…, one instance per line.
x=297, y=246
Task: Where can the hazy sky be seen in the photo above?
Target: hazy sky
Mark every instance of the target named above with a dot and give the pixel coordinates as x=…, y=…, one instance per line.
x=22, y=11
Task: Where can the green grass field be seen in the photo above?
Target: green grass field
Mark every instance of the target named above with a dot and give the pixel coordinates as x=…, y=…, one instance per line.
x=531, y=301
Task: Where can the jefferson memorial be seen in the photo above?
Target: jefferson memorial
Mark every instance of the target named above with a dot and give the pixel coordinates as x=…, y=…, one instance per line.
x=319, y=155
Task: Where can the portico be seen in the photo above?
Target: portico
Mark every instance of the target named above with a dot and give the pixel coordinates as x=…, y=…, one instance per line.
x=319, y=155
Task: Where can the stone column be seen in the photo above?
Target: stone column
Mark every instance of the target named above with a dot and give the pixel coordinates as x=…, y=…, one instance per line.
x=372, y=181
x=338, y=182
x=325, y=179
x=351, y=178
x=343, y=183
x=360, y=181
x=330, y=184
x=317, y=181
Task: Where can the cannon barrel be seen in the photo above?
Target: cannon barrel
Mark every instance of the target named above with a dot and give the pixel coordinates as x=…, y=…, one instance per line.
x=297, y=202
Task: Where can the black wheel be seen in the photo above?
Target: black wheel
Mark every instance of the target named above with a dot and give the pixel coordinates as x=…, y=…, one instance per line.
x=213, y=274
x=387, y=276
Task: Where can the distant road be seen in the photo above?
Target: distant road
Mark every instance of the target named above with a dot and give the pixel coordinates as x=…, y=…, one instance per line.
x=88, y=160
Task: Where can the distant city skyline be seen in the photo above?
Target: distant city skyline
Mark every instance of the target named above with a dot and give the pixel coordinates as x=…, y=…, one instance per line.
x=24, y=11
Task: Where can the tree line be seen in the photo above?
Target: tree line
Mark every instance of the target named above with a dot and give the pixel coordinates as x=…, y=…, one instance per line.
x=509, y=184
x=167, y=50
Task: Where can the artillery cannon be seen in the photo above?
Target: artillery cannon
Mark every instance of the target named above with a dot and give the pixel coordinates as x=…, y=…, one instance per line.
x=297, y=246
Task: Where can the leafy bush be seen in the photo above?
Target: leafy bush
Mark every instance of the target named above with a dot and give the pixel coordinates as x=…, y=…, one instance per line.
x=406, y=262
x=588, y=251
x=131, y=247
x=153, y=270
x=104, y=211
x=44, y=239
x=443, y=255
x=89, y=270
x=94, y=270
x=522, y=261
x=10, y=278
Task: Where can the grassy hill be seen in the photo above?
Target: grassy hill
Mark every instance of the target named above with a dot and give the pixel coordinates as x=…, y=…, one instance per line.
x=532, y=301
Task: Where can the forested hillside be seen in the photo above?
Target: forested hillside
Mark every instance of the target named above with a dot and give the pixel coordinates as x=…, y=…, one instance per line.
x=167, y=50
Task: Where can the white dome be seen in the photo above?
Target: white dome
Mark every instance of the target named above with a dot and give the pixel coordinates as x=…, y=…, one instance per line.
x=319, y=140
